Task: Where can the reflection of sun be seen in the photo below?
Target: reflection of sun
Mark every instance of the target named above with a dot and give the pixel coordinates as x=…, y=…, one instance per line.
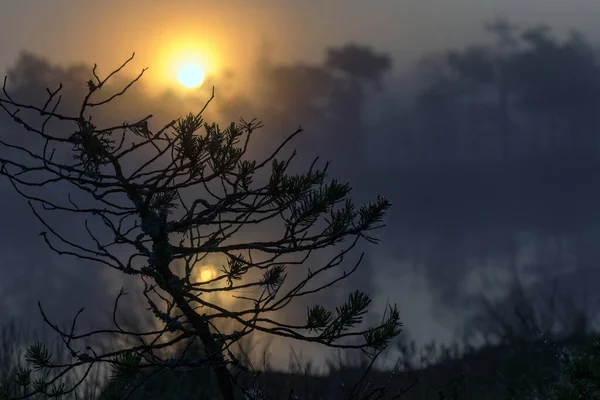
x=207, y=273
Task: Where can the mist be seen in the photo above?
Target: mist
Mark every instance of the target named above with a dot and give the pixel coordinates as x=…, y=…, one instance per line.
x=483, y=136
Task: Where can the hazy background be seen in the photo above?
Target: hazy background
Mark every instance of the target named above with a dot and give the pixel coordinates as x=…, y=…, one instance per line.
x=491, y=173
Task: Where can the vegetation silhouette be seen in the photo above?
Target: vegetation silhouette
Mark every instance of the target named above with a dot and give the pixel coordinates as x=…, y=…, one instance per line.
x=151, y=222
x=521, y=359
x=501, y=143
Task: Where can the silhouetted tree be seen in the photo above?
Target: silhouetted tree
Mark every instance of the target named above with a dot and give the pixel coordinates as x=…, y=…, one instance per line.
x=358, y=67
x=301, y=91
x=359, y=62
x=164, y=200
x=559, y=82
x=525, y=92
x=330, y=96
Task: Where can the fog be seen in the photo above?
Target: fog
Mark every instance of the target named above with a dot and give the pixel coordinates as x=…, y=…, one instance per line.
x=486, y=143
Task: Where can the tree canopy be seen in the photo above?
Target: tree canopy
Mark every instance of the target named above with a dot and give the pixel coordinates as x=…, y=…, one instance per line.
x=155, y=203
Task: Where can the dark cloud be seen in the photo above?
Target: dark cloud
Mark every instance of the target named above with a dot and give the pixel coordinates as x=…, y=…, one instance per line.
x=488, y=151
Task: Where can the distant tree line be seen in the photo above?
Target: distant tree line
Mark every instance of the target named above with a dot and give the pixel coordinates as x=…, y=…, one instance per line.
x=523, y=93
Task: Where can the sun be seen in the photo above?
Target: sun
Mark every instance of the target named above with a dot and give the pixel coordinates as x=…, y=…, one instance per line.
x=190, y=75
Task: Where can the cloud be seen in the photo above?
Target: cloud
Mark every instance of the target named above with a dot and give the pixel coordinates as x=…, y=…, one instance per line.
x=434, y=147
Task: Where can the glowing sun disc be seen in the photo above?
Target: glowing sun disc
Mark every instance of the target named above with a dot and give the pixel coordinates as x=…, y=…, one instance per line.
x=207, y=274
x=190, y=76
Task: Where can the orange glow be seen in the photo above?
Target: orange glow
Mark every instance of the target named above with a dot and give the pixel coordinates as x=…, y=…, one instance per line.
x=207, y=273
x=186, y=60
x=190, y=76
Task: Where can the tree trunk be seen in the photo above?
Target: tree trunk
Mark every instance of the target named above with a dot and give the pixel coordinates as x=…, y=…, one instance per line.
x=160, y=248
x=202, y=329
x=199, y=324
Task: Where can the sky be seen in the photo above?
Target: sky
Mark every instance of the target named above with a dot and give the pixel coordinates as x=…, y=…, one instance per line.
x=229, y=35
x=231, y=32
